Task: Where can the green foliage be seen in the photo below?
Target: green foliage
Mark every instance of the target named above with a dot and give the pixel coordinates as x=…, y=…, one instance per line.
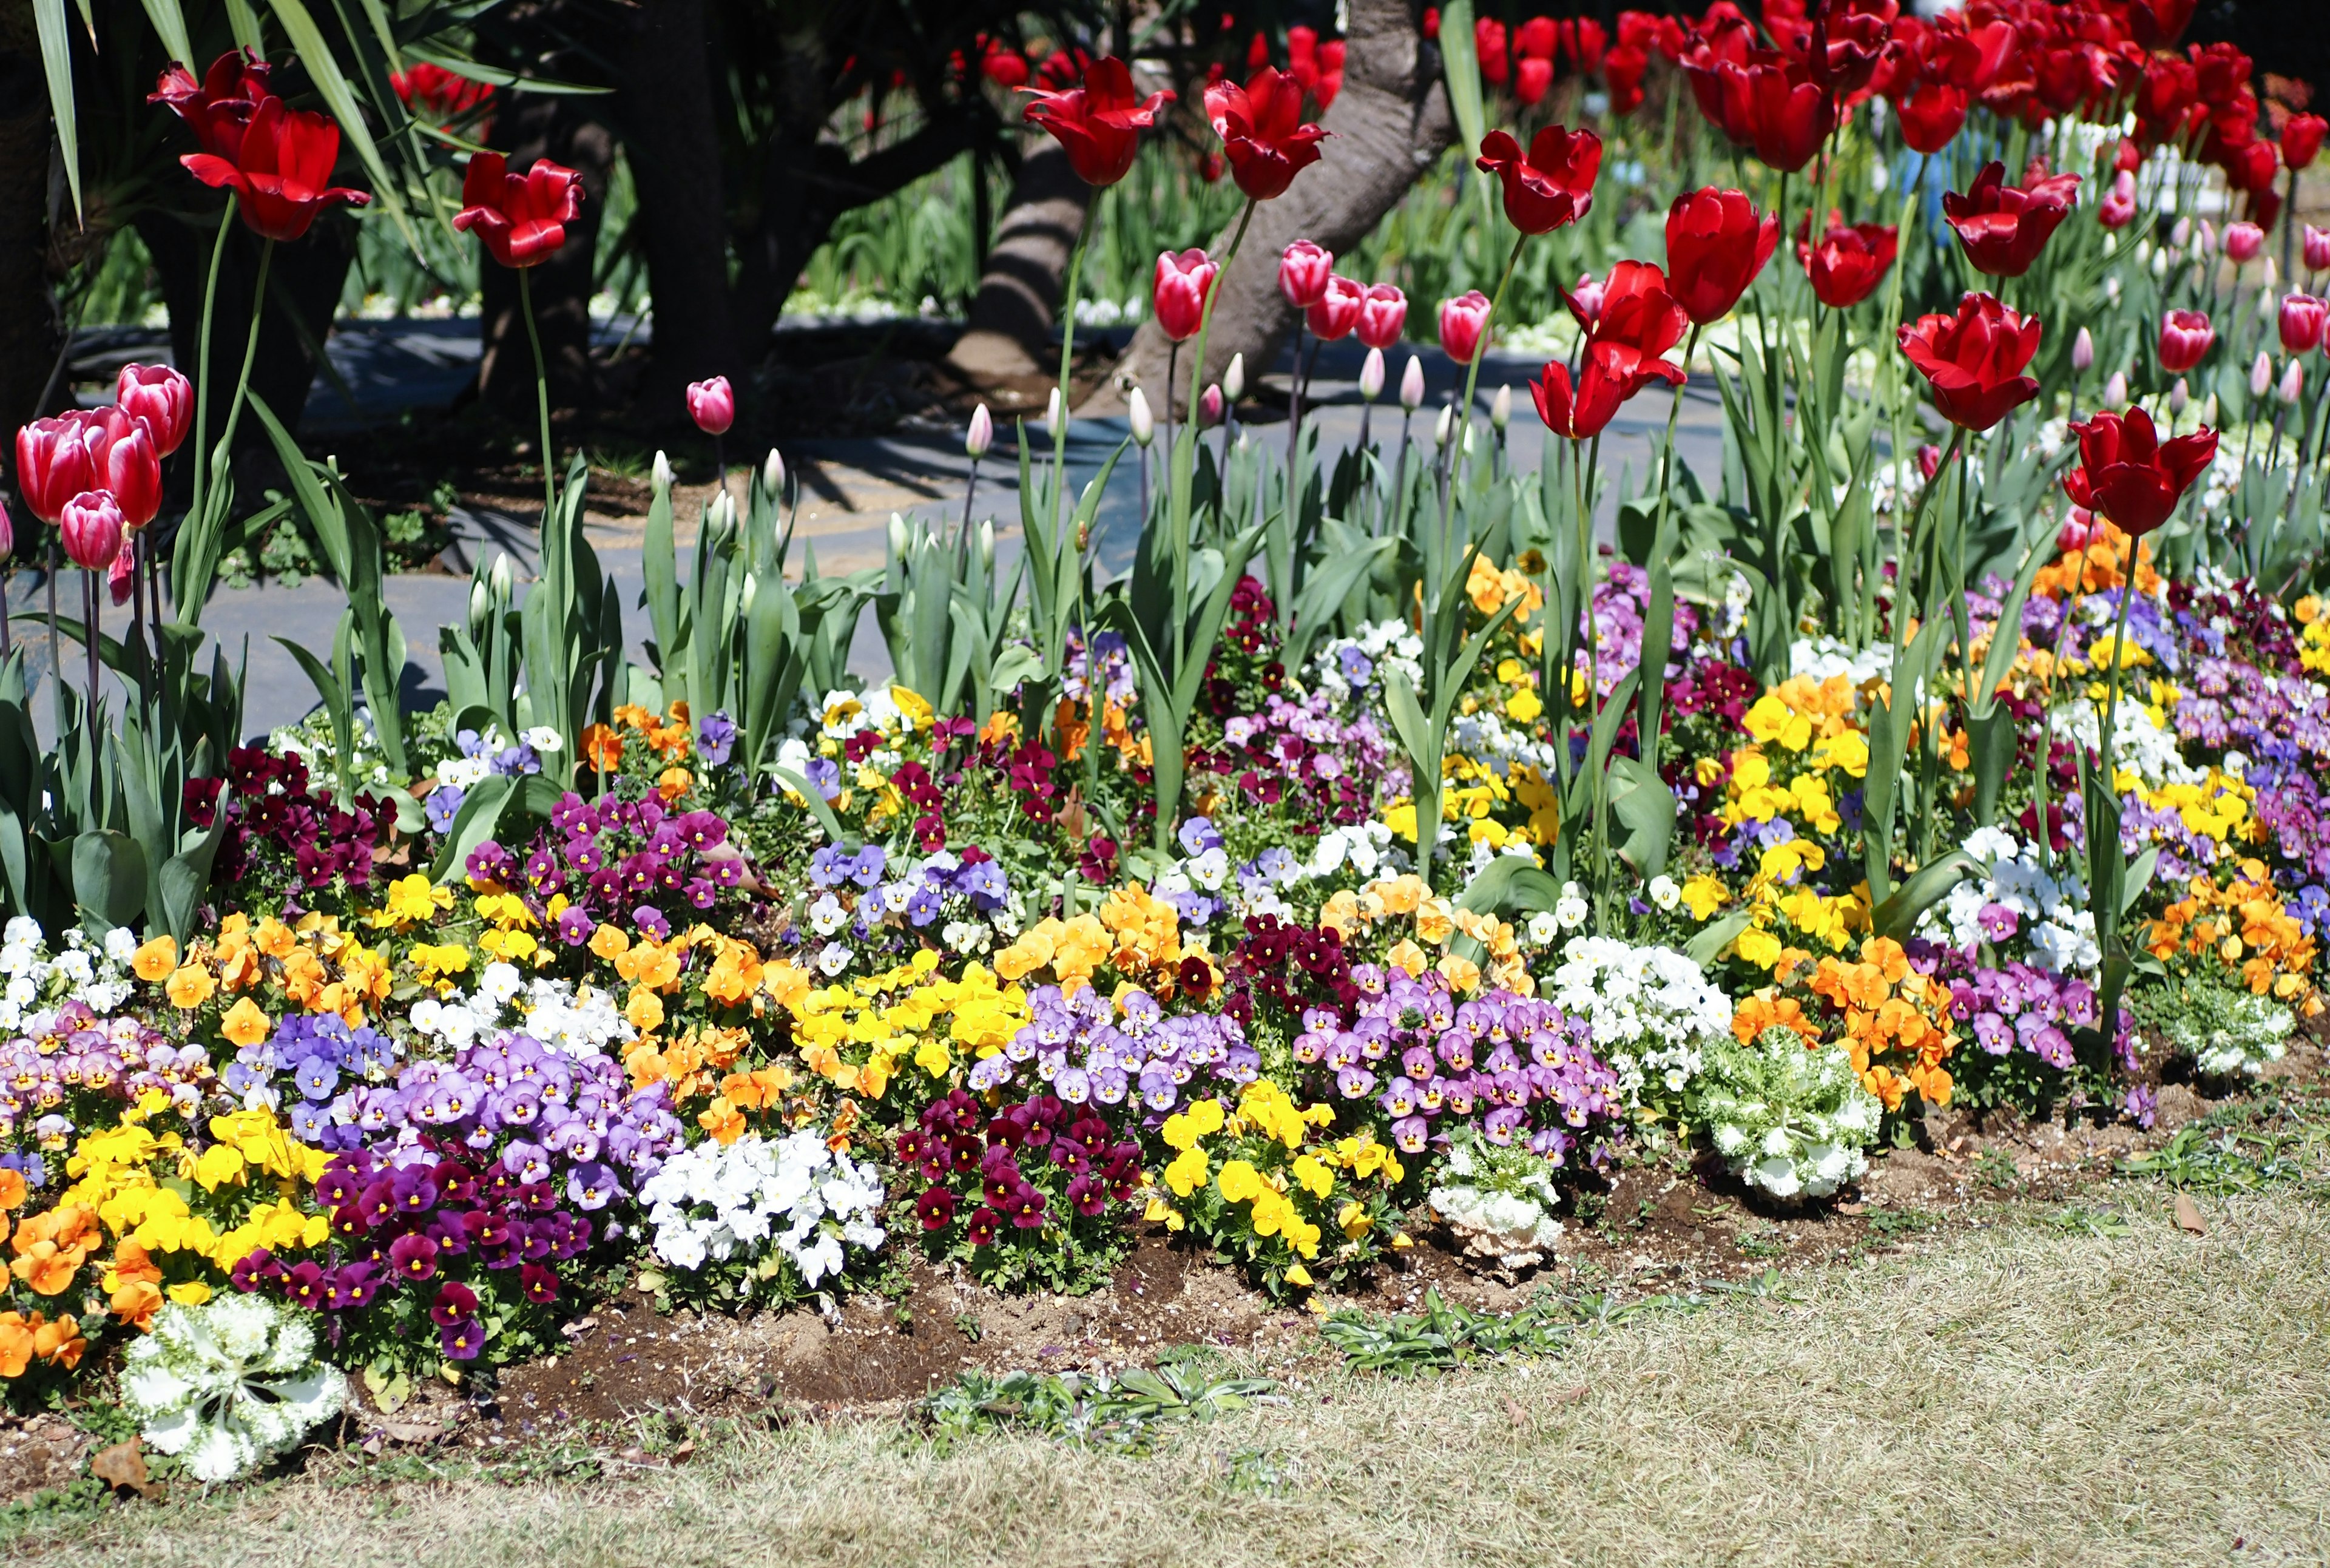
x=1446, y=1336
x=2228, y=1030
x=1124, y=1411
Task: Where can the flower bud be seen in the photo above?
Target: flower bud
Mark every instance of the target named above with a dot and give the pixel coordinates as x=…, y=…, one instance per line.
x=663, y=475
x=503, y=579
x=1443, y=425
x=7, y=535
x=724, y=512
x=1209, y=407
x=2292, y=384
x=750, y=591
x=1056, y=415
x=987, y=546
x=1143, y=422
x=981, y=434
x=2179, y=397
x=772, y=473
x=2268, y=308
x=2260, y=374
x=2182, y=235
x=2083, y=352
x=2208, y=237
x=1411, y=383
x=1371, y=376
x=1500, y=407
x=2272, y=274
x=1233, y=378
x=898, y=536
x=2316, y=249
x=2116, y=390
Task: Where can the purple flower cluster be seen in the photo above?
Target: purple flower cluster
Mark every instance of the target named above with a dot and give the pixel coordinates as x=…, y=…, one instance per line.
x=625, y=860
x=916, y=891
x=1079, y=1047
x=1300, y=752
x=2016, y=1010
x=957, y=1141
x=1517, y=1067
x=328, y=1064
x=72, y=1052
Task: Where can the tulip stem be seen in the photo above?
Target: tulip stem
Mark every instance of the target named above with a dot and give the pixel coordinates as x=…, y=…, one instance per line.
x=1648, y=744
x=1067, y=365
x=88, y=634
x=542, y=402
x=222, y=454
x=1473, y=379
x=203, y=385
x=1597, y=869
x=1182, y=474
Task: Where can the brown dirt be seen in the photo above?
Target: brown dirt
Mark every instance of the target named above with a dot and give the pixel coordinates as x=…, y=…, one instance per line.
x=38, y=1454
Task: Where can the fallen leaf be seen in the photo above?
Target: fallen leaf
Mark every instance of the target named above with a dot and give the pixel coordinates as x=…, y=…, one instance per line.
x=1514, y=1412
x=1571, y=1395
x=411, y=1432
x=123, y=1465
x=682, y=1454
x=2188, y=1215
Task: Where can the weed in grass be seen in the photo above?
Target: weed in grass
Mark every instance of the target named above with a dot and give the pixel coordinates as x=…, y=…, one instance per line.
x=1121, y=1412
x=2218, y=1160
x=1448, y=1334
x=1894, y=1222
x=1996, y=1170
x=2080, y=1220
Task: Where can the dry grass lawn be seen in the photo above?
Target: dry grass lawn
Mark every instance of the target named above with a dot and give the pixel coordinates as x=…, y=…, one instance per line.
x=2026, y=1395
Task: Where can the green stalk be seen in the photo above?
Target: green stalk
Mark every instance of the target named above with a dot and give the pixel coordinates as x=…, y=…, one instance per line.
x=541, y=398
x=1471, y=380
x=250, y=352
x=1068, y=359
x=1648, y=743
x=2119, y=663
x=202, y=374
x=1598, y=871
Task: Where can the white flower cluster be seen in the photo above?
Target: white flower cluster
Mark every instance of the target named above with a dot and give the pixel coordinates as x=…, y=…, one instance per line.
x=1569, y=913
x=2055, y=928
x=1823, y=658
x=567, y=1015
x=1652, y=1010
x=34, y=980
x=227, y=1383
x=1361, y=847
x=711, y=1201
x=1791, y=1119
x=1347, y=667
x=1498, y=1201
x=2141, y=741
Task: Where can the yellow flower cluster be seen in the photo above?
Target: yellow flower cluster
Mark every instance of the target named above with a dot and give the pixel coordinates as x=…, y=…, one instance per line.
x=855, y=1035
x=1439, y=926
x=2217, y=808
x=2312, y=635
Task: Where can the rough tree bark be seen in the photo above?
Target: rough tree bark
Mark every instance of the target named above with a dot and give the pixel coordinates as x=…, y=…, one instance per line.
x=1023, y=280
x=28, y=336
x=675, y=150
x=1390, y=122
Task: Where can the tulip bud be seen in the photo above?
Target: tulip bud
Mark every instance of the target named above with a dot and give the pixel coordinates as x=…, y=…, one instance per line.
x=1500, y=407
x=7, y=535
x=2160, y=264
x=2292, y=384
x=1411, y=383
x=1233, y=378
x=2268, y=307
x=481, y=605
x=2179, y=397
x=750, y=591
x=2144, y=252
x=772, y=473
x=2261, y=374
x=987, y=546
x=1467, y=443
x=2272, y=274
x=1143, y=422
x=1371, y=376
x=663, y=475
x=2208, y=236
x=2116, y=390
x=1056, y=415
x=724, y=512
x=2111, y=289
x=981, y=434
x=1209, y=407
x=2316, y=249
x=1443, y=425
x=2182, y=235
x=2083, y=352
x=503, y=579
x=898, y=536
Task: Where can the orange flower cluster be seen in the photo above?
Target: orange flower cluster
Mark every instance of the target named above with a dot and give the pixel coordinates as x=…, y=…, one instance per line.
x=22, y=1338
x=1895, y=1021
x=1438, y=926
x=1134, y=932
x=316, y=966
x=2247, y=928
x=52, y=1247
x=2098, y=567
x=135, y=1284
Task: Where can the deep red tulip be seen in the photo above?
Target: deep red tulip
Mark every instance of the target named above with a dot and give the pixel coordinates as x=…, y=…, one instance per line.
x=53, y=463
x=162, y=398
x=281, y=171
x=1975, y=360
x=2184, y=336
x=2159, y=24
x=1969, y=58
x=1931, y=116
x=1622, y=72
x=1302, y=273
x=437, y=96
x=1585, y=42
x=1850, y=260
x=1535, y=38
x=522, y=218
x=1337, y=311
x=1635, y=309
x=2129, y=474
x=1489, y=47
x=217, y=108
x=1007, y=68
x=2003, y=228
x=2301, y=139
x=1716, y=246
x=1262, y=132
x=2302, y=319
x=1847, y=40
x=1383, y=316
x=132, y=470
x=91, y=525
x=1553, y=185
x=1769, y=102
x=1532, y=79
x=1177, y=293
x=712, y=404
x=1461, y=321
x=1609, y=374
x=1099, y=124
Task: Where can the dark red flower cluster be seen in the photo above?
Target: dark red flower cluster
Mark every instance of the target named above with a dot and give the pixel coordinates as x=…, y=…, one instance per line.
x=1317, y=68
x=921, y=791
x=1011, y=1168
x=1292, y=968
x=274, y=817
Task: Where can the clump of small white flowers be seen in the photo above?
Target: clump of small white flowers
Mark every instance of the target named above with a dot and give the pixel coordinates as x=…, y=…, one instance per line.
x=2142, y=740
x=2228, y=1030
x=574, y=1017
x=717, y=1202
x=1652, y=1011
x=2019, y=906
x=1348, y=668
x=228, y=1384
x=35, y=979
x=1791, y=1119
x=1498, y=1201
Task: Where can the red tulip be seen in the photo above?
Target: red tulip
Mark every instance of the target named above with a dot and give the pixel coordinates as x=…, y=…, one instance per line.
x=2184, y=336
x=91, y=525
x=1850, y=260
x=1716, y=246
x=1383, y=316
x=1302, y=273
x=1847, y=40
x=1179, y=292
x=2130, y=475
x=1637, y=311
x=1261, y=131
x=2302, y=319
x=1532, y=79
x=162, y=398
x=132, y=470
x=1622, y=71
x=2301, y=139
x=1610, y=374
x=1337, y=309
x=435, y=93
x=1007, y=68
x=1553, y=185
x=1535, y=38
x=2315, y=248
x=1770, y=102
x=522, y=218
x=1489, y=48
x=2159, y=24
x=1099, y=124
x=1461, y=321
x=1585, y=42
x=53, y=464
x=2003, y=228
x=280, y=171
x=1975, y=360
x=1931, y=116
x=217, y=108
x=712, y=404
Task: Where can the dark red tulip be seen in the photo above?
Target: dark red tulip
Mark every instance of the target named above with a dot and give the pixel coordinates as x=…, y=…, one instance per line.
x=1716, y=246
x=1552, y=184
x=1263, y=131
x=2004, y=228
x=1788, y=114
x=2159, y=24
x=217, y=108
x=522, y=218
x=1847, y=41
x=1622, y=71
x=1975, y=360
x=1931, y=116
x=2128, y=473
x=1850, y=260
x=2301, y=139
x=1098, y=124
x=1634, y=308
x=281, y=171
x=1609, y=374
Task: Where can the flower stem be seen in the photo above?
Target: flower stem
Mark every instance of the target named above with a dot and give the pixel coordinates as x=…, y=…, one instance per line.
x=203, y=374
x=1472, y=380
x=221, y=454
x=542, y=401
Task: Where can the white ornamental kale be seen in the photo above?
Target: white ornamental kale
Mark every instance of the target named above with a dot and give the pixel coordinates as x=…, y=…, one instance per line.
x=2231, y=1033
x=716, y=1203
x=1791, y=1119
x=228, y=1384
x=1498, y=1201
x=1652, y=1011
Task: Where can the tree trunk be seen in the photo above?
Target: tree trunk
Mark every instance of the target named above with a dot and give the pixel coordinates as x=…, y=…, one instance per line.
x=1390, y=122
x=674, y=153
x=1023, y=278
x=29, y=329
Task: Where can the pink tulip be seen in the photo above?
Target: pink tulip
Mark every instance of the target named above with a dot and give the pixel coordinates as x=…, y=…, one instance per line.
x=2317, y=249
x=1209, y=407
x=2184, y=336
x=1383, y=316
x=120, y=578
x=1302, y=273
x=92, y=529
x=7, y=535
x=1337, y=309
x=2118, y=209
x=2243, y=242
x=2302, y=319
x=1586, y=298
x=161, y=397
x=1461, y=321
x=712, y=404
x=52, y=464
x=1179, y=292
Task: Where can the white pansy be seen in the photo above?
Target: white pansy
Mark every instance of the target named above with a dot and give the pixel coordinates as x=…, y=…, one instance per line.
x=714, y=1204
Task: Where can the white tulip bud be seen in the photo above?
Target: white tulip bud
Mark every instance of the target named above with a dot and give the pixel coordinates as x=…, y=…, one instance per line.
x=2160, y=264
x=2272, y=274
x=2179, y=397
x=981, y=434
x=1500, y=407
x=1411, y=385
x=898, y=536
x=2083, y=352
x=2116, y=390
x=1056, y=415
x=2268, y=308
x=1143, y=422
x=1371, y=376
x=2182, y=235
x=724, y=512
x=772, y=473
x=2292, y=384
x=2261, y=374
x=1233, y=378
x=1445, y=425
x=662, y=474
x=986, y=545
x=503, y=579
x=752, y=591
